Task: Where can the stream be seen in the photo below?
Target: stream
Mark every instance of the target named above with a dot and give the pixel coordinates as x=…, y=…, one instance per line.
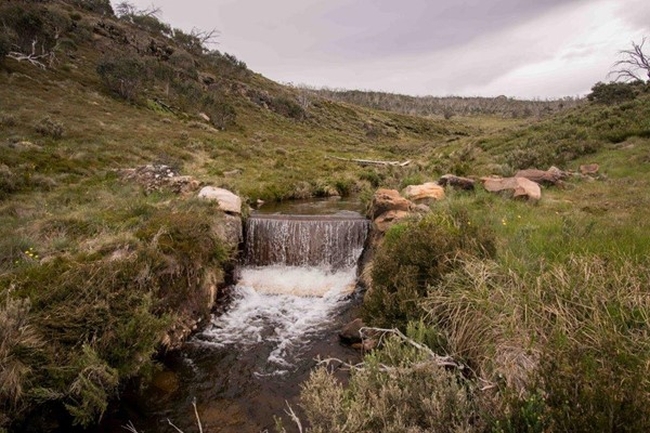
x=296, y=289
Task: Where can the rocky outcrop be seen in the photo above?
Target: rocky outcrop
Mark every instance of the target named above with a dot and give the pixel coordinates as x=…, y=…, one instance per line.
x=227, y=201
x=159, y=177
x=428, y=190
x=387, y=208
x=231, y=231
x=520, y=186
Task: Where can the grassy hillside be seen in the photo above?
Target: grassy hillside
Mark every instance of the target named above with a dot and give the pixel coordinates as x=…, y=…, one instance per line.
x=96, y=269
x=532, y=318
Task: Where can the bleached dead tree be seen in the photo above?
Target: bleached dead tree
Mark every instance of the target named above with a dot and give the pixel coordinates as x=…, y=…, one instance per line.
x=634, y=66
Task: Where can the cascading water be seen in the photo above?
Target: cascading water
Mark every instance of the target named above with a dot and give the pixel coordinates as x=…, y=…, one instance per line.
x=298, y=270
x=291, y=298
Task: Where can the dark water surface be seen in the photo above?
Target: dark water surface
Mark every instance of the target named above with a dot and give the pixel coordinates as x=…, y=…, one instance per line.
x=236, y=388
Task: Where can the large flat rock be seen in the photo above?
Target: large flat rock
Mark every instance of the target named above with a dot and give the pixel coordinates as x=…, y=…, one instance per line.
x=227, y=200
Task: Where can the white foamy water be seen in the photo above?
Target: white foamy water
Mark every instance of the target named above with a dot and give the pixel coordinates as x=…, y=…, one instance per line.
x=280, y=307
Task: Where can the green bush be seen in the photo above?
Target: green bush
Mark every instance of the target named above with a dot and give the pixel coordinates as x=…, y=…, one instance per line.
x=612, y=93
x=98, y=6
x=5, y=44
x=287, y=107
x=415, y=255
x=222, y=114
x=27, y=22
x=227, y=64
x=595, y=363
x=124, y=75
x=151, y=24
x=566, y=345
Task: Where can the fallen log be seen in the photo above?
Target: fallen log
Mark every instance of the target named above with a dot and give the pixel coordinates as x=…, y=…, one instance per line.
x=364, y=162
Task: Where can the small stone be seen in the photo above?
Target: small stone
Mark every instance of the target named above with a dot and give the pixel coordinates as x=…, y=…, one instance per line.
x=351, y=333
x=589, y=169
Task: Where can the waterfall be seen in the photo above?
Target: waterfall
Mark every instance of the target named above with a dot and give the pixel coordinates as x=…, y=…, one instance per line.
x=333, y=241
x=297, y=273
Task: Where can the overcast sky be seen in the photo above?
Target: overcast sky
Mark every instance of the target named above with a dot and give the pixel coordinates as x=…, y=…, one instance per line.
x=518, y=48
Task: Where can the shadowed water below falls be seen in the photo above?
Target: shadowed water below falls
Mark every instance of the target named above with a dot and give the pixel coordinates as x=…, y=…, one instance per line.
x=295, y=290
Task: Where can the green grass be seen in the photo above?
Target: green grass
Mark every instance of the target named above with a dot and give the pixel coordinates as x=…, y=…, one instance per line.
x=553, y=328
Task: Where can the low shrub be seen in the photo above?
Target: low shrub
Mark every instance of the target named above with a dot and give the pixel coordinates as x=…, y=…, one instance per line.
x=10, y=181
x=567, y=346
x=26, y=22
x=5, y=45
x=222, y=114
x=417, y=254
x=287, y=107
x=595, y=362
x=397, y=389
x=125, y=75
x=98, y=6
x=49, y=127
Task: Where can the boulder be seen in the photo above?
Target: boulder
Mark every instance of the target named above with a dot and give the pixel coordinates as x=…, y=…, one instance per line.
x=520, y=186
x=386, y=200
x=228, y=202
x=350, y=334
x=387, y=219
x=429, y=190
x=456, y=182
x=550, y=177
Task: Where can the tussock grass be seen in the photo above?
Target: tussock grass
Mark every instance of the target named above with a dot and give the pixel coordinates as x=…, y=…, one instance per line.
x=409, y=395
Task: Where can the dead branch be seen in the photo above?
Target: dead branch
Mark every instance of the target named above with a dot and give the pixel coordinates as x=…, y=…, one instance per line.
x=196, y=413
x=205, y=37
x=33, y=58
x=130, y=427
x=364, y=162
x=293, y=417
x=173, y=425
x=443, y=361
x=635, y=63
